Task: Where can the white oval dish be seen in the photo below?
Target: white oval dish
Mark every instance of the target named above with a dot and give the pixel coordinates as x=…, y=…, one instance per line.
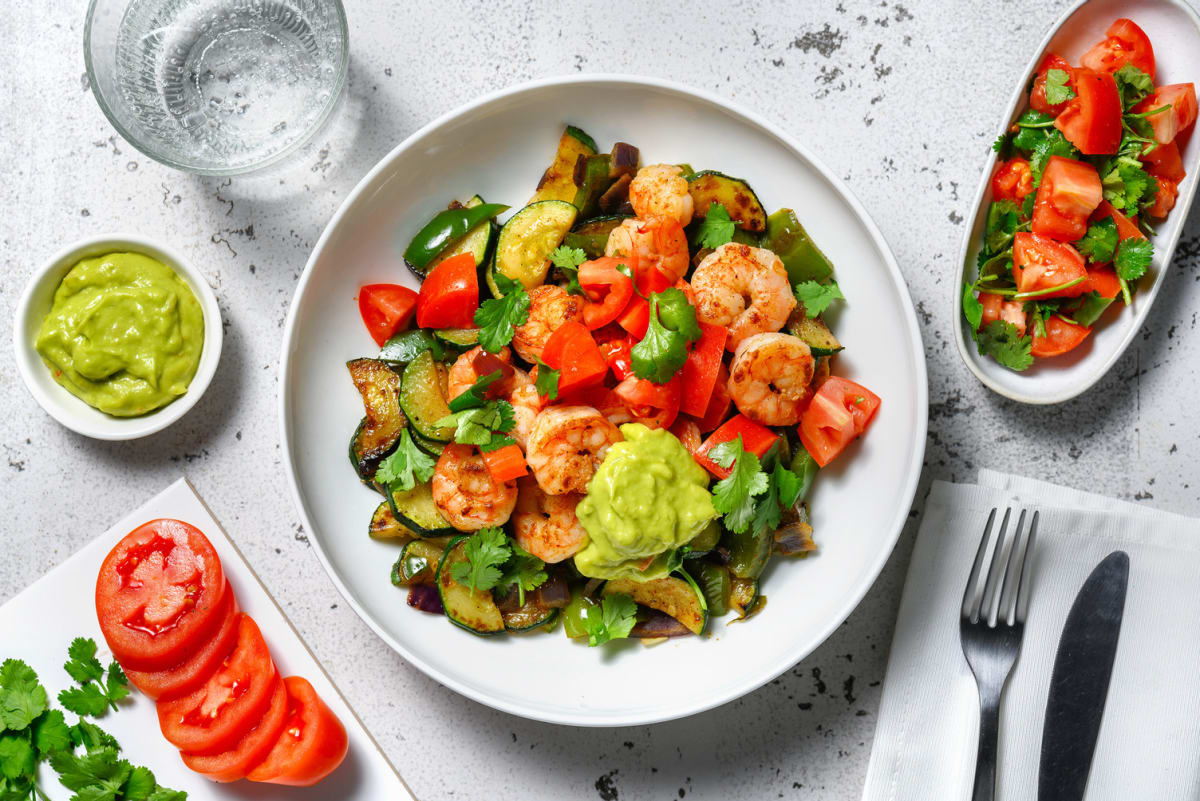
x=1174, y=30
x=498, y=146
x=60, y=404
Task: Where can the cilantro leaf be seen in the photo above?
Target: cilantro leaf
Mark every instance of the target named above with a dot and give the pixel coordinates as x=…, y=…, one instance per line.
x=405, y=466
x=663, y=350
x=98, y=688
x=17, y=757
x=733, y=496
x=568, y=260
x=22, y=698
x=1032, y=127
x=497, y=318
x=1003, y=219
x=1054, y=144
x=611, y=619
x=524, y=571
x=1003, y=342
x=1132, y=84
x=86, y=700
x=83, y=666
x=51, y=733
x=1003, y=144
x=788, y=485
x=480, y=425
x=476, y=394
x=140, y=784
x=1126, y=184
x=1100, y=242
x=546, y=381
x=1091, y=308
x=715, y=229
x=816, y=296
x=486, y=550
x=1133, y=258
x=164, y=794
x=78, y=772
x=972, y=308
x=1058, y=88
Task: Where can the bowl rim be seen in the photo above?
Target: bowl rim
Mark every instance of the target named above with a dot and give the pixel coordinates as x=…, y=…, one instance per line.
x=343, y=71
x=73, y=412
x=365, y=187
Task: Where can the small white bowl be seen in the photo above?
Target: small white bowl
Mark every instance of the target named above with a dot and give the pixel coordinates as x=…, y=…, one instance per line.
x=60, y=404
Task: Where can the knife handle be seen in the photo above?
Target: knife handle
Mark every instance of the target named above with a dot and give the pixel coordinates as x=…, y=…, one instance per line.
x=989, y=735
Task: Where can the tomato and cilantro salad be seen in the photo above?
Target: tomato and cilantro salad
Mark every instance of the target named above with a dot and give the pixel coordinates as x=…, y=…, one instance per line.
x=174, y=626
x=1081, y=174
x=546, y=414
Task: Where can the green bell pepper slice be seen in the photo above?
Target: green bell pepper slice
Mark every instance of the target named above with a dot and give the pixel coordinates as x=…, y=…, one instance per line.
x=446, y=227
x=787, y=239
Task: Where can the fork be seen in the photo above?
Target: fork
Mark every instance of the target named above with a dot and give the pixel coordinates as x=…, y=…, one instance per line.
x=993, y=620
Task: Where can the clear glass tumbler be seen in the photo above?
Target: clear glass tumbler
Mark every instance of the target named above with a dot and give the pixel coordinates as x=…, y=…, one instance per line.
x=216, y=87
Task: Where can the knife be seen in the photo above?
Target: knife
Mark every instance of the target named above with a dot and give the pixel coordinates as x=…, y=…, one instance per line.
x=1079, y=682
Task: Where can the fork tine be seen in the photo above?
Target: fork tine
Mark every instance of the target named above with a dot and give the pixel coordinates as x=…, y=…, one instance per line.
x=991, y=591
x=1012, y=577
x=1026, y=574
x=971, y=597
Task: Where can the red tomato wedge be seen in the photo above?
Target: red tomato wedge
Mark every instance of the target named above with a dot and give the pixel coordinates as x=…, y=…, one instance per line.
x=213, y=718
x=995, y=307
x=756, y=439
x=310, y=747
x=1164, y=199
x=1164, y=162
x=1037, y=95
x=839, y=412
x=1104, y=281
x=1092, y=119
x=699, y=375
x=385, y=309
x=1181, y=97
x=159, y=594
x=688, y=434
x=449, y=294
x=1013, y=180
x=192, y=672
x=1126, y=228
x=1061, y=337
x=506, y=463
x=1040, y=263
x=719, y=404
x=1126, y=43
x=572, y=351
x=252, y=747
x=616, y=348
x=1070, y=191
x=608, y=291
x=654, y=405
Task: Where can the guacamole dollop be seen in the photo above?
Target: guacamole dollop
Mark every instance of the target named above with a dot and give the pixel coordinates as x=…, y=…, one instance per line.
x=648, y=498
x=124, y=334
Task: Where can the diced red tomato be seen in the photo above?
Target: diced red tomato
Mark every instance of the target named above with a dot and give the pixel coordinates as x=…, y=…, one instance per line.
x=252, y=747
x=1103, y=280
x=1164, y=200
x=159, y=595
x=572, y=351
x=840, y=411
x=654, y=405
x=1013, y=180
x=385, y=309
x=1037, y=95
x=213, y=718
x=1126, y=44
x=310, y=747
x=1126, y=228
x=1181, y=97
x=995, y=307
x=1092, y=119
x=1070, y=191
x=719, y=404
x=189, y=674
x=1040, y=263
x=688, y=434
x=1164, y=162
x=608, y=291
x=636, y=317
x=506, y=463
x=1061, y=337
x=699, y=374
x=616, y=348
x=756, y=439
x=449, y=294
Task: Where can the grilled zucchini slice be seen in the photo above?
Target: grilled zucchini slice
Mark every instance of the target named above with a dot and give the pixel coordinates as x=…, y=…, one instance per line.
x=457, y=340
x=530, y=616
x=418, y=562
x=385, y=526
x=529, y=236
x=591, y=236
x=470, y=609
x=416, y=510
x=678, y=597
x=558, y=182
x=814, y=332
x=379, y=432
x=709, y=186
x=423, y=399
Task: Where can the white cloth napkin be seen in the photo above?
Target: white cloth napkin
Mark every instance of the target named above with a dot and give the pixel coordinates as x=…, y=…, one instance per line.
x=1149, y=745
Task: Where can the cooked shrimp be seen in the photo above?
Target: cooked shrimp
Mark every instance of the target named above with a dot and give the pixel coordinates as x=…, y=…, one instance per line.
x=463, y=374
x=566, y=445
x=546, y=525
x=657, y=242
x=769, y=378
x=549, y=307
x=744, y=288
x=659, y=190
x=526, y=403
x=466, y=495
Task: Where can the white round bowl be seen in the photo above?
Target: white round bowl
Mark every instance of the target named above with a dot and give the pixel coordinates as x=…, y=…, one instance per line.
x=498, y=147
x=60, y=404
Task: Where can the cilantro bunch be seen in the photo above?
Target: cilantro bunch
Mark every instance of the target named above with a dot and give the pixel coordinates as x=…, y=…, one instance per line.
x=611, y=619
x=749, y=498
x=495, y=561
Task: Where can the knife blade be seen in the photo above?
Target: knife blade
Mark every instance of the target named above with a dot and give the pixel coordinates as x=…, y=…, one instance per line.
x=1079, y=681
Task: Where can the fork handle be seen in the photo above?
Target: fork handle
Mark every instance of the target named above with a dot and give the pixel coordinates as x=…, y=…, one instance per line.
x=989, y=735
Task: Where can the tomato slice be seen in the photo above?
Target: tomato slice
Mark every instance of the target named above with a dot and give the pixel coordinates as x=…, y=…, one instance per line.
x=1040, y=263
x=616, y=348
x=608, y=291
x=688, y=434
x=840, y=411
x=719, y=404
x=1181, y=97
x=254, y=744
x=159, y=594
x=1013, y=180
x=1092, y=119
x=189, y=674
x=449, y=294
x=996, y=307
x=310, y=747
x=653, y=405
x=1164, y=162
x=1126, y=228
x=1037, y=95
x=572, y=351
x=213, y=718
x=699, y=375
x=1061, y=337
x=385, y=309
x=1126, y=43
x=756, y=439
x=1070, y=191
x=1164, y=199
x=1104, y=281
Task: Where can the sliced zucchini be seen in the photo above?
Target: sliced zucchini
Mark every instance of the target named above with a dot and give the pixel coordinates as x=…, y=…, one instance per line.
x=432, y=447
x=385, y=526
x=408, y=345
x=527, y=239
x=423, y=399
x=459, y=340
x=380, y=429
x=709, y=186
x=748, y=554
x=558, y=182
x=470, y=609
x=478, y=241
x=593, y=177
x=418, y=563
x=591, y=236
x=787, y=239
x=530, y=616
x=416, y=510
x=814, y=332
x=678, y=597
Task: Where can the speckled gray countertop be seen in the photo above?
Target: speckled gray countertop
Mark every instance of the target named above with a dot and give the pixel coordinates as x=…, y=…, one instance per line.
x=901, y=100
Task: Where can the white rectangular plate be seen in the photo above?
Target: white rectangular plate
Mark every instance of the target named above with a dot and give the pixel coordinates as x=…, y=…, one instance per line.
x=39, y=624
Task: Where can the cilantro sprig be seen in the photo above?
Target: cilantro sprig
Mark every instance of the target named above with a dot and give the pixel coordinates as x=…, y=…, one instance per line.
x=611, y=619
x=484, y=425
x=493, y=560
x=715, y=229
x=1058, y=88
x=546, y=380
x=816, y=297
x=498, y=318
x=733, y=496
x=1100, y=242
x=672, y=327
x=568, y=260
x=1002, y=341
x=1133, y=258
x=98, y=688
x=406, y=466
